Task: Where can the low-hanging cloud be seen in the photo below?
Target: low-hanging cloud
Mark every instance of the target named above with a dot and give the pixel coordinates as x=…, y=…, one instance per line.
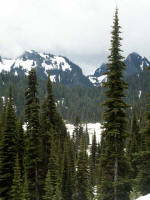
x=77, y=29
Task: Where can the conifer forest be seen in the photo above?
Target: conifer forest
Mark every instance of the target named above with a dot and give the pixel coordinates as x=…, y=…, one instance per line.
x=41, y=160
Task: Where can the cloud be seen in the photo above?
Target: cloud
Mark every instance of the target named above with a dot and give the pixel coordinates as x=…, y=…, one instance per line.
x=77, y=29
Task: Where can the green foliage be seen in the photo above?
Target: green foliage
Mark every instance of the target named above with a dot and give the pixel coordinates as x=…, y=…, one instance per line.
x=143, y=178
x=87, y=98
x=25, y=190
x=68, y=172
x=7, y=149
x=114, y=169
x=33, y=149
x=134, y=145
x=20, y=145
x=93, y=161
x=48, y=188
x=16, y=189
x=82, y=187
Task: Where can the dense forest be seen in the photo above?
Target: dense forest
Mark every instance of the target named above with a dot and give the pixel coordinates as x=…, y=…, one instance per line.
x=39, y=160
x=88, y=99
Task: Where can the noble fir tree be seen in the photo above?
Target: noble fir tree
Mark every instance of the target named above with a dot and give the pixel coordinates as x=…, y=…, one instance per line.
x=33, y=139
x=114, y=167
x=8, y=150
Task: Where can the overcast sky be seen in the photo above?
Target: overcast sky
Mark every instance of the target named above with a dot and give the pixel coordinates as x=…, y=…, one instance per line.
x=77, y=29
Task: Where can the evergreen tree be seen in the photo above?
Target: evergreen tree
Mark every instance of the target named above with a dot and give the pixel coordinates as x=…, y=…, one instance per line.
x=82, y=188
x=48, y=125
x=2, y=120
x=25, y=190
x=77, y=133
x=114, y=184
x=16, y=189
x=93, y=160
x=20, y=145
x=48, y=187
x=68, y=172
x=8, y=150
x=52, y=115
x=133, y=146
x=87, y=140
x=58, y=194
x=53, y=166
x=143, y=178
x=33, y=149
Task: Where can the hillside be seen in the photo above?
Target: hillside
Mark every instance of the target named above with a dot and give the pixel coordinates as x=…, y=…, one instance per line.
x=73, y=90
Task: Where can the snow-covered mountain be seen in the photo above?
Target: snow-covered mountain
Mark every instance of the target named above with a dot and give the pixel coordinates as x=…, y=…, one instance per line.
x=134, y=65
x=60, y=68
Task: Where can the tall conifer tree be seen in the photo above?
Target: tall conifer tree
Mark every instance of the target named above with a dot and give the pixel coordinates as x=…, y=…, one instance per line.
x=8, y=150
x=114, y=166
x=33, y=149
x=48, y=124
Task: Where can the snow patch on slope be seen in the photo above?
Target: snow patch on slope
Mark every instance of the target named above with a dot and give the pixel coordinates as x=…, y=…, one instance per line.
x=141, y=66
x=102, y=78
x=27, y=64
x=6, y=64
x=97, y=81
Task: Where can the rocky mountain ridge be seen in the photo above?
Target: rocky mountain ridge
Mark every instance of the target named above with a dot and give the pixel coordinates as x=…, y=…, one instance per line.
x=62, y=70
x=134, y=62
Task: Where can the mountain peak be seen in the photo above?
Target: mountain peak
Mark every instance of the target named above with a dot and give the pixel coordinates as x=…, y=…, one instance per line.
x=134, y=62
x=60, y=68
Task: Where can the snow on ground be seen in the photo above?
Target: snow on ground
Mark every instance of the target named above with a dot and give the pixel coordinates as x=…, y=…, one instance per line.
x=147, y=197
x=92, y=127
